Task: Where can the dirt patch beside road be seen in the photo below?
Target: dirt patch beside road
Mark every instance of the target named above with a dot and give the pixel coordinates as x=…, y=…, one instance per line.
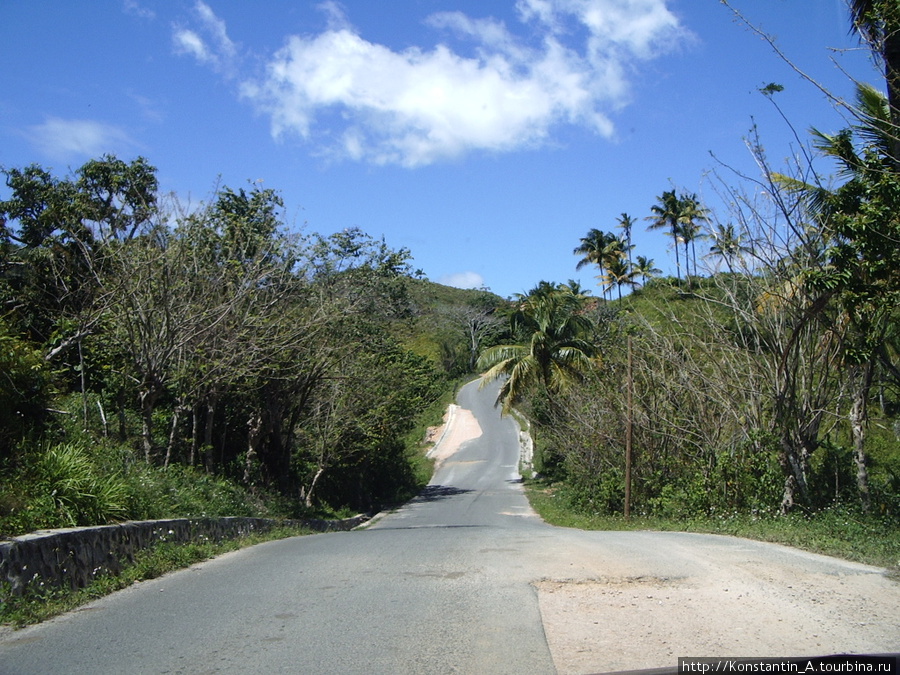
x=642, y=599
x=628, y=623
x=459, y=426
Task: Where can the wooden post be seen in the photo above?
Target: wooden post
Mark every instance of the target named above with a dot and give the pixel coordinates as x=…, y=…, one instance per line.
x=628, y=429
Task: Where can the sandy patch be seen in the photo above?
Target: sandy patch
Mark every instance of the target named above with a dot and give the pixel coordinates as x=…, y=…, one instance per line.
x=459, y=426
x=627, y=623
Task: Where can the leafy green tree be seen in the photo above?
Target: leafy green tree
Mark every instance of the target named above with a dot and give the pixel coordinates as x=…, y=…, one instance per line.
x=48, y=270
x=24, y=390
x=117, y=198
x=861, y=229
x=62, y=235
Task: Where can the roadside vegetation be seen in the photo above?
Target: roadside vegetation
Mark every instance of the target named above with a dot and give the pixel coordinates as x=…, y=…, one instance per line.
x=757, y=391
x=836, y=531
x=160, y=361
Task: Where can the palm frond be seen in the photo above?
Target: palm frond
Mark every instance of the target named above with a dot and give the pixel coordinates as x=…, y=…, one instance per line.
x=877, y=128
x=496, y=355
x=815, y=197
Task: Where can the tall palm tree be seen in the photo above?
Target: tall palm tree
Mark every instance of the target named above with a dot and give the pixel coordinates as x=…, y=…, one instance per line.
x=619, y=273
x=595, y=249
x=626, y=223
x=878, y=23
x=690, y=215
x=665, y=215
x=555, y=351
x=613, y=257
x=591, y=249
x=614, y=250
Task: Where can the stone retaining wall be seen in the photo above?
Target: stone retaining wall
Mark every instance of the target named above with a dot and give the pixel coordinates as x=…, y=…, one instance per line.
x=74, y=556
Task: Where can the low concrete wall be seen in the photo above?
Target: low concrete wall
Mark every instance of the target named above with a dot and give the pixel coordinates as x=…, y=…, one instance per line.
x=74, y=556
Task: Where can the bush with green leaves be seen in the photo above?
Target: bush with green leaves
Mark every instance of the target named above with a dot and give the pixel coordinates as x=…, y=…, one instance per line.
x=24, y=390
x=61, y=486
x=181, y=492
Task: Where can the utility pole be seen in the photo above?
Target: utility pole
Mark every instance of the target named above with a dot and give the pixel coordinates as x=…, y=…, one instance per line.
x=628, y=428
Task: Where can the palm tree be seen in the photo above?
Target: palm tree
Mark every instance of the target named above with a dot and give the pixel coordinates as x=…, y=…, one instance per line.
x=619, y=273
x=596, y=248
x=665, y=215
x=878, y=24
x=614, y=250
x=555, y=351
x=644, y=267
x=626, y=223
x=876, y=132
x=575, y=288
x=728, y=245
x=542, y=289
x=690, y=215
x=591, y=249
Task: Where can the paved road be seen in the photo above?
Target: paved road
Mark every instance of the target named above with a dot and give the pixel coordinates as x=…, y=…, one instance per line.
x=447, y=584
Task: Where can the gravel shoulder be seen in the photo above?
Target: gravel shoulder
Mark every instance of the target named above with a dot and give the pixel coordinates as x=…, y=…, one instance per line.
x=731, y=609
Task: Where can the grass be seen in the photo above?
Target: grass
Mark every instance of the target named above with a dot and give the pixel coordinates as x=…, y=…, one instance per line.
x=837, y=532
x=35, y=606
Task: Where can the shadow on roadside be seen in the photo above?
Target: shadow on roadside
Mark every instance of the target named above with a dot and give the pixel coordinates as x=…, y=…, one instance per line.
x=433, y=493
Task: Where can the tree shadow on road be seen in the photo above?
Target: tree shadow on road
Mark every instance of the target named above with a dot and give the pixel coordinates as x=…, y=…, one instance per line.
x=433, y=493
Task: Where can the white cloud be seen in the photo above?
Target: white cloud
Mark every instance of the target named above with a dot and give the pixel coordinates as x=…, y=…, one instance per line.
x=61, y=139
x=410, y=108
x=463, y=280
x=148, y=107
x=641, y=28
x=419, y=106
x=134, y=8
x=188, y=42
x=334, y=14
x=210, y=44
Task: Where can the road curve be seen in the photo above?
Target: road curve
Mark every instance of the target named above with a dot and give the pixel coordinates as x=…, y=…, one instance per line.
x=466, y=579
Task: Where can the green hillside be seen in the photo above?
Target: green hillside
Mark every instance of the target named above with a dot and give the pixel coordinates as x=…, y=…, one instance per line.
x=728, y=377
x=450, y=325
x=210, y=364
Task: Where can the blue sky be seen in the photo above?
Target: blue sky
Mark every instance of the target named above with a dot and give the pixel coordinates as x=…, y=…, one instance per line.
x=486, y=137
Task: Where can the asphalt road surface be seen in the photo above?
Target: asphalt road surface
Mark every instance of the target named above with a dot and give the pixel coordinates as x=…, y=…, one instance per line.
x=466, y=579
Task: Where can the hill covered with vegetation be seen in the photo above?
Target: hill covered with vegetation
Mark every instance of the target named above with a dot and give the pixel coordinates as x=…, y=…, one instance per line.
x=733, y=409
x=159, y=362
